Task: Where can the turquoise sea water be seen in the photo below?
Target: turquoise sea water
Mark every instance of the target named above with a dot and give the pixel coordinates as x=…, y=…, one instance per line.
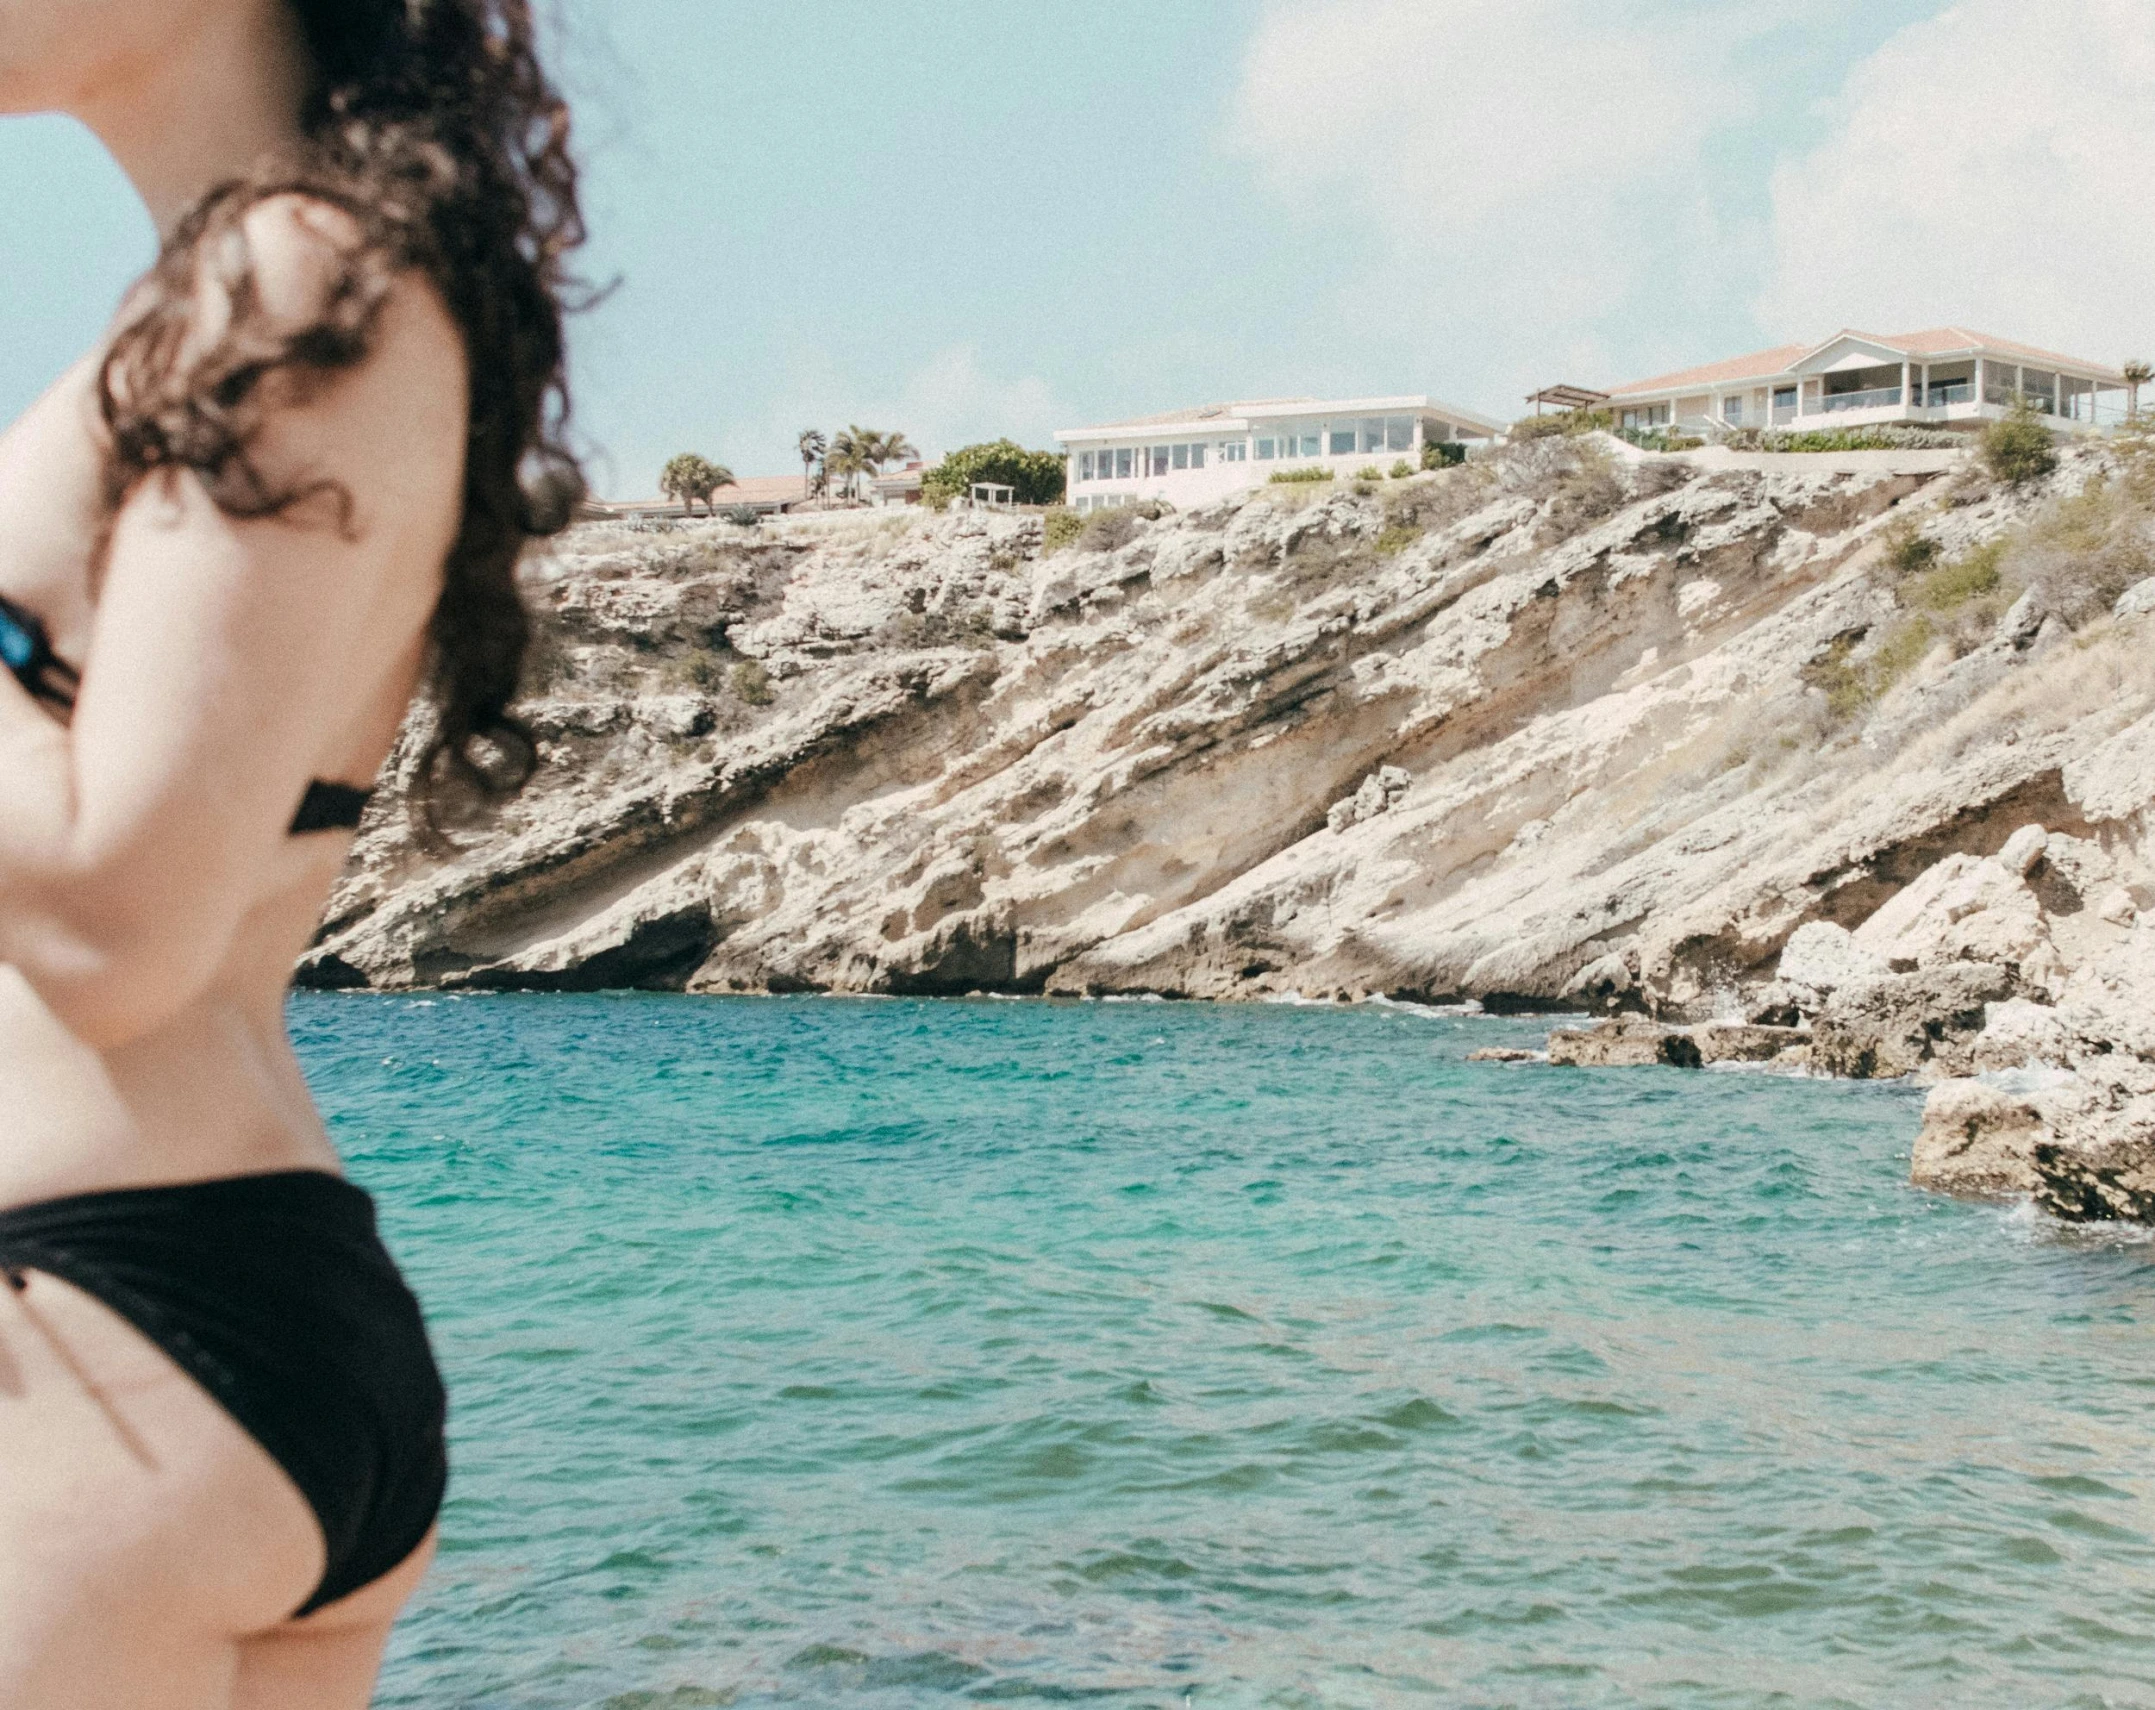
x=878, y=1354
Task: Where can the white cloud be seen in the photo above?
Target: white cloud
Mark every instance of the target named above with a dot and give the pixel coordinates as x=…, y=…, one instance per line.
x=1987, y=167
x=950, y=400
x=1529, y=166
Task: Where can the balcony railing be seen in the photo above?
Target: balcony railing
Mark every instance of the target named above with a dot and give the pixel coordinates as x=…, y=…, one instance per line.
x=1783, y=414
x=1950, y=392
x=1876, y=398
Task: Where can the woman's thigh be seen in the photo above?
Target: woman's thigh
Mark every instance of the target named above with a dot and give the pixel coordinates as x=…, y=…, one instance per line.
x=143, y=1534
x=329, y=1660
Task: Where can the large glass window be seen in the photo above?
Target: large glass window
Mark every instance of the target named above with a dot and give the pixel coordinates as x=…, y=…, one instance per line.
x=1343, y=442
x=1159, y=460
x=1399, y=433
x=2041, y=388
x=1084, y=466
x=1197, y=457
x=1372, y=433
x=1264, y=451
x=1122, y=463
x=1234, y=451
x=1732, y=408
x=1182, y=457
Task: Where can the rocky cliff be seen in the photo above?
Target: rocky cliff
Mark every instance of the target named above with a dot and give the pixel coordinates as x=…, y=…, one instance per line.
x=1857, y=746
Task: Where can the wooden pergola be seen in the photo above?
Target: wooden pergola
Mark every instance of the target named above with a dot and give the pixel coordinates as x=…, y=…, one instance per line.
x=1566, y=398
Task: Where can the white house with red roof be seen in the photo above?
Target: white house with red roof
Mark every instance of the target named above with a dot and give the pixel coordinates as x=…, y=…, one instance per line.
x=1195, y=456
x=1945, y=377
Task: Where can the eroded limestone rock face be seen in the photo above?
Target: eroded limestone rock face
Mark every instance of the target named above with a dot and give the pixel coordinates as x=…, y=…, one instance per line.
x=1905, y=1024
x=1568, y=728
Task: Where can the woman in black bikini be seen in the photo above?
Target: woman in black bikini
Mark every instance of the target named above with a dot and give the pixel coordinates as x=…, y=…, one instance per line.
x=286, y=494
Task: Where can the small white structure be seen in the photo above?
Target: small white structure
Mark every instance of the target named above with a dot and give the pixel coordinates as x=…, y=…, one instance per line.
x=991, y=496
x=1945, y=377
x=1193, y=457
x=898, y=486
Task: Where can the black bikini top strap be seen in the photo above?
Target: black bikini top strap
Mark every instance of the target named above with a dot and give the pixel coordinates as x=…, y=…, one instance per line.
x=26, y=650
x=330, y=807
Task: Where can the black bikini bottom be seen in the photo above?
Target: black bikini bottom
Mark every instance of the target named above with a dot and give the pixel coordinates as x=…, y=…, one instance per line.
x=275, y=1294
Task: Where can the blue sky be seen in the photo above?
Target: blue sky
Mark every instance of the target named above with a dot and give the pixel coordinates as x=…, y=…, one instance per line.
x=963, y=219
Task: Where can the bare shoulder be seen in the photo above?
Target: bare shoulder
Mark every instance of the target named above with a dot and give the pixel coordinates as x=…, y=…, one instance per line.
x=302, y=254
x=397, y=417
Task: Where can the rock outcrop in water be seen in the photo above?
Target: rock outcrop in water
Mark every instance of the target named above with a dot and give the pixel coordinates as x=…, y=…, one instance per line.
x=1773, y=743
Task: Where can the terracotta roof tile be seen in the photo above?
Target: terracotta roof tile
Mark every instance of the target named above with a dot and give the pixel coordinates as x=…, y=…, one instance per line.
x=1939, y=339
x=1758, y=363
x=1933, y=341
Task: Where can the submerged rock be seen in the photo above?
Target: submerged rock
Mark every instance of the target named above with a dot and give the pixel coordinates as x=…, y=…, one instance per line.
x=1622, y=1045
x=1747, y=1042
x=1977, y=1139
x=1633, y=1043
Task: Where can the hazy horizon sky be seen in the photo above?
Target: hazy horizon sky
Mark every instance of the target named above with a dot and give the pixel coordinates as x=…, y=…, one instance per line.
x=968, y=219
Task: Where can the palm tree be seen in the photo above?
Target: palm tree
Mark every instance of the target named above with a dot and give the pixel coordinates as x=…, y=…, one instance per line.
x=690, y=477
x=848, y=456
x=2137, y=374
x=812, y=446
x=890, y=447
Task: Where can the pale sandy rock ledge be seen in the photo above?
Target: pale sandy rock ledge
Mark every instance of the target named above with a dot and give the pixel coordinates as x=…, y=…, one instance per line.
x=1568, y=729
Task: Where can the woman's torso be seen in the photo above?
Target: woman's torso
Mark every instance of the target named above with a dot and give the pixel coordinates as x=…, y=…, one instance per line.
x=216, y=1091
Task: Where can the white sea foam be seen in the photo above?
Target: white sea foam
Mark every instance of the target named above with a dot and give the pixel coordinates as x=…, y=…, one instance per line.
x=1438, y=1011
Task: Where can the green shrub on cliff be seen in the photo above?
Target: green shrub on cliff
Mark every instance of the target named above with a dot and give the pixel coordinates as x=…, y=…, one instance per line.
x=752, y=683
x=1909, y=552
x=1035, y=477
x=1851, y=684
x=2019, y=448
x=1443, y=454
x=1564, y=422
x=1110, y=531
x=1888, y=437
x=1059, y=528
x=1950, y=586
x=1287, y=477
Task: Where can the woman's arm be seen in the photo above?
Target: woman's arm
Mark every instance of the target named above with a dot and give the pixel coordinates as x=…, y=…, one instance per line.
x=230, y=661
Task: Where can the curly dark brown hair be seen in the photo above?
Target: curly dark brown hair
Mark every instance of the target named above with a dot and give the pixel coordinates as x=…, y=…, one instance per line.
x=433, y=127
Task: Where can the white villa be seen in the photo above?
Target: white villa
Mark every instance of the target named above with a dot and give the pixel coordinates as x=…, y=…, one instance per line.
x=1946, y=377
x=1192, y=457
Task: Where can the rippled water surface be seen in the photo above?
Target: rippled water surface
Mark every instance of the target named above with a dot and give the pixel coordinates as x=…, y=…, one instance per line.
x=866, y=1354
